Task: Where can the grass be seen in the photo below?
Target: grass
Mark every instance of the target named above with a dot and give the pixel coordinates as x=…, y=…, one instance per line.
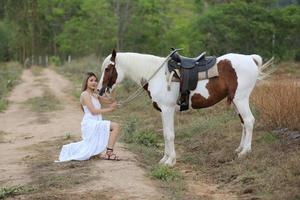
x=46, y=103
x=49, y=179
x=278, y=104
x=36, y=70
x=2, y=134
x=10, y=74
x=11, y=191
x=165, y=173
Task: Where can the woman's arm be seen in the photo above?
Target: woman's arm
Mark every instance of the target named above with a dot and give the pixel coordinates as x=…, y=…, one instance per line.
x=105, y=100
x=86, y=100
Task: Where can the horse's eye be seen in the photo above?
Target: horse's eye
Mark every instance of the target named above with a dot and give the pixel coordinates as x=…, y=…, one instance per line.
x=106, y=69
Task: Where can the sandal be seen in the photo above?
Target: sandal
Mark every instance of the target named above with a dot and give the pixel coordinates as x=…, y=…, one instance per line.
x=109, y=155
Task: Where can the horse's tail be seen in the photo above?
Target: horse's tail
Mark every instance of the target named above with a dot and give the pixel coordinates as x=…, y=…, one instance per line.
x=266, y=69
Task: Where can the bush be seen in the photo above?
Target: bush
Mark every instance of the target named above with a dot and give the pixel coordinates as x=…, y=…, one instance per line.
x=55, y=60
x=278, y=104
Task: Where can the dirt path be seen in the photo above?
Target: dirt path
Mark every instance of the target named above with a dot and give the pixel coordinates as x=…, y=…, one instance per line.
x=29, y=146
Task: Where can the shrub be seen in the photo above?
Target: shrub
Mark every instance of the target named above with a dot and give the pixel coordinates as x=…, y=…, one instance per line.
x=278, y=104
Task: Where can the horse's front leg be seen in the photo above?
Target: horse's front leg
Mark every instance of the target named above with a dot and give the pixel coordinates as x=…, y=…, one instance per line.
x=167, y=115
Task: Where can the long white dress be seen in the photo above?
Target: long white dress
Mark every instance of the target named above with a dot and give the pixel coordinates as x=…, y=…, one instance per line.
x=95, y=135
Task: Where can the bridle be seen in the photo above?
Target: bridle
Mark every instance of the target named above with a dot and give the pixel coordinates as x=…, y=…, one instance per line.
x=141, y=89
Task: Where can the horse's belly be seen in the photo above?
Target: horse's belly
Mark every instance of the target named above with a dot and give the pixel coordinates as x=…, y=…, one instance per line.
x=204, y=97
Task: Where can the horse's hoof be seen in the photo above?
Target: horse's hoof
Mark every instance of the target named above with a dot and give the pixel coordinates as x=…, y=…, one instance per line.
x=244, y=152
x=239, y=149
x=163, y=160
x=170, y=162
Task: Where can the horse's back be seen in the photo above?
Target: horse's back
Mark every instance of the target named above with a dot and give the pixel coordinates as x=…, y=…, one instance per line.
x=244, y=65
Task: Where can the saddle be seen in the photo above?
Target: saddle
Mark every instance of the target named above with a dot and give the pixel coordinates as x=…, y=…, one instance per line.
x=186, y=70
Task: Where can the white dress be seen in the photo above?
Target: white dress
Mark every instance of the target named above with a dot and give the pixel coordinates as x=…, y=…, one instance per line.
x=95, y=135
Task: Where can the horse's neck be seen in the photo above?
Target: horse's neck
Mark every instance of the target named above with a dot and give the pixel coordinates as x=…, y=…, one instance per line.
x=139, y=66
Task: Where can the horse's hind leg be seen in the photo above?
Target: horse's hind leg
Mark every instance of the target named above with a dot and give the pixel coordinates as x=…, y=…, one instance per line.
x=242, y=105
x=239, y=149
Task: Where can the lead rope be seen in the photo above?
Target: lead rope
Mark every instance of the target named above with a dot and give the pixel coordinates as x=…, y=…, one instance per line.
x=140, y=90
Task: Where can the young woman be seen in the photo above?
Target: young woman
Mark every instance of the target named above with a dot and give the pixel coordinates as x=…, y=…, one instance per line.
x=97, y=134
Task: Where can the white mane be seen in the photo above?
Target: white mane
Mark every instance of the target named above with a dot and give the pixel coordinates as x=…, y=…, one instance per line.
x=137, y=65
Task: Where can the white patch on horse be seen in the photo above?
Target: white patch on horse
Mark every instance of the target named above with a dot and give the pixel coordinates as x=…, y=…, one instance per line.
x=201, y=89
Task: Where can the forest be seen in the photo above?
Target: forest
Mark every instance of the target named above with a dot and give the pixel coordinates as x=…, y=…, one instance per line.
x=58, y=28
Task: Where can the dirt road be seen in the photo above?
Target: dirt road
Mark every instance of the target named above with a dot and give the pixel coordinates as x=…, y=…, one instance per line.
x=31, y=141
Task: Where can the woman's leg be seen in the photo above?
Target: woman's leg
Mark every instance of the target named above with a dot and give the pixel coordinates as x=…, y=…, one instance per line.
x=114, y=133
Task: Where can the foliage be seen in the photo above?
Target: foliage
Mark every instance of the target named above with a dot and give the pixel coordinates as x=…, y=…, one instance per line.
x=10, y=74
x=165, y=173
x=235, y=27
x=132, y=135
x=58, y=28
x=10, y=191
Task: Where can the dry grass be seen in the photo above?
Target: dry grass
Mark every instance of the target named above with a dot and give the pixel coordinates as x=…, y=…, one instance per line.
x=278, y=104
x=46, y=103
x=52, y=180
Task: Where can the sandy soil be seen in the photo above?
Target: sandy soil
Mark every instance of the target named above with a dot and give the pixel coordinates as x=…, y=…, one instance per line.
x=22, y=128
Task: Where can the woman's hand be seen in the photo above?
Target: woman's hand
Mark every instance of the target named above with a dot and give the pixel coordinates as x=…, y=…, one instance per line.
x=113, y=105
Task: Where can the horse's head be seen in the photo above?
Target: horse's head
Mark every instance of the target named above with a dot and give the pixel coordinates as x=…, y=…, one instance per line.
x=110, y=75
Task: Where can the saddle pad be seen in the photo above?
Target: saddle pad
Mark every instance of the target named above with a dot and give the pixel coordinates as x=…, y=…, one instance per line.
x=212, y=72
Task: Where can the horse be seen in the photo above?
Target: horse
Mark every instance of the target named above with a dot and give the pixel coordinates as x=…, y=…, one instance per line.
x=238, y=75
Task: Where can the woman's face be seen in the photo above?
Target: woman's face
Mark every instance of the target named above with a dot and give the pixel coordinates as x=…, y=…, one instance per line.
x=92, y=83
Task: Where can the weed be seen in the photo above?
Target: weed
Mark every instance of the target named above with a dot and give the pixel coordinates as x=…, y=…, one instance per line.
x=67, y=135
x=165, y=173
x=10, y=191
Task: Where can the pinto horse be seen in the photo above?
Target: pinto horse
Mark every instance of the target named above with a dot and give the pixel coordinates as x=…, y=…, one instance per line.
x=237, y=77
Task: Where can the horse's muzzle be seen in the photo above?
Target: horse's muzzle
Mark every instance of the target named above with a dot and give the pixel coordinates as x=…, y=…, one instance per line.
x=102, y=91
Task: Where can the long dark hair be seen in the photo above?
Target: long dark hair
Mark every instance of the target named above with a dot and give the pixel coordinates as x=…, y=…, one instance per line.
x=85, y=80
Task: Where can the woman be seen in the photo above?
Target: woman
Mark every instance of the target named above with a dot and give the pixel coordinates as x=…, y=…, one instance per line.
x=97, y=134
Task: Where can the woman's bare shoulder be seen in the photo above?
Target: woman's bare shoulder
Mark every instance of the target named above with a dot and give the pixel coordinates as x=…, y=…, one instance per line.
x=84, y=93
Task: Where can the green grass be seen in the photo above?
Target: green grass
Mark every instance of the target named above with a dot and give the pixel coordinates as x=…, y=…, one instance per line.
x=11, y=191
x=165, y=173
x=10, y=74
x=46, y=103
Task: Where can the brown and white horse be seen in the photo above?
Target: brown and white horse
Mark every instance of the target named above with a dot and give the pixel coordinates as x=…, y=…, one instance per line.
x=237, y=77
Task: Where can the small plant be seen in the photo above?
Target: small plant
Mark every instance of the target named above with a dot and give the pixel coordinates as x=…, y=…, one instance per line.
x=67, y=135
x=165, y=173
x=10, y=191
x=147, y=138
x=129, y=130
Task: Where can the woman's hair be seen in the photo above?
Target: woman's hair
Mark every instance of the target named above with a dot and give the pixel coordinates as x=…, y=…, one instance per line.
x=86, y=78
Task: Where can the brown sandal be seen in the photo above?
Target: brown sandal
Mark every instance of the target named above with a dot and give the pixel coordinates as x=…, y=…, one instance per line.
x=109, y=155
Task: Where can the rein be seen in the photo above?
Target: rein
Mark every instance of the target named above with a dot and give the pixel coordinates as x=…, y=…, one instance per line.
x=140, y=90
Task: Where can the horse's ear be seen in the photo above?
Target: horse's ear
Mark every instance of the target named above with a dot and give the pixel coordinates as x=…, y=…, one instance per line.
x=113, y=55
